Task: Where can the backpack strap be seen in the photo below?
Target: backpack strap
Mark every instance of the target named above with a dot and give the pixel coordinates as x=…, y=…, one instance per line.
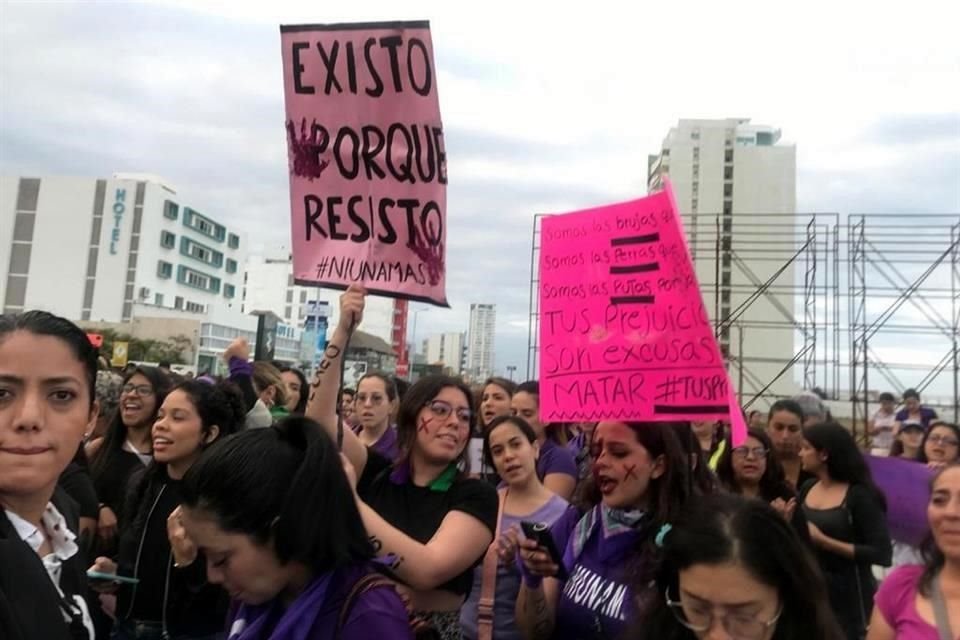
x=360, y=587
x=489, y=580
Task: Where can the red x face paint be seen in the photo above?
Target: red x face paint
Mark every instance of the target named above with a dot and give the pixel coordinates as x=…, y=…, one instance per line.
x=622, y=466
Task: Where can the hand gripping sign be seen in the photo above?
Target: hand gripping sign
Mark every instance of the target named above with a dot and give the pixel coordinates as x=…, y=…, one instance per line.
x=624, y=333
x=368, y=170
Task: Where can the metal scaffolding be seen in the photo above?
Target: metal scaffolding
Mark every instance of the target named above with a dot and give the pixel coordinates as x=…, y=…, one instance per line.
x=904, y=282
x=775, y=277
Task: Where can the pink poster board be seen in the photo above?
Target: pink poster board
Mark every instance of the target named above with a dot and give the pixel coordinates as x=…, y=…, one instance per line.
x=624, y=333
x=368, y=169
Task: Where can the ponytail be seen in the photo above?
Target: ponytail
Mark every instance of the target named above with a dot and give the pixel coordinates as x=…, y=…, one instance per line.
x=316, y=523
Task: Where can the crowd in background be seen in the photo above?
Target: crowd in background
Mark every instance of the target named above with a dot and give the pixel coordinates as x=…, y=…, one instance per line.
x=142, y=505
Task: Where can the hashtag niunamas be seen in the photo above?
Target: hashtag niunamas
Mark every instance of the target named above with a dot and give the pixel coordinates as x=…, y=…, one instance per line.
x=371, y=271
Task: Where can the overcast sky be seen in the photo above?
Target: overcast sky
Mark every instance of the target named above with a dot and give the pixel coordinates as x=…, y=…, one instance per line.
x=546, y=108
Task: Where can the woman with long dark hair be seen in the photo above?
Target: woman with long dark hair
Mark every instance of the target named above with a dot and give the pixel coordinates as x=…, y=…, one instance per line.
x=297, y=389
x=422, y=509
x=510, y=446
x=126, y=447
x=733, y=568
x=170, y=600
x=641, y=479
x=940, y=446
x=259, y=506
x=753, y=470
x=908, y=441
x=921, y=602
x=556, y=465
x=47, y=402
x=847, y=521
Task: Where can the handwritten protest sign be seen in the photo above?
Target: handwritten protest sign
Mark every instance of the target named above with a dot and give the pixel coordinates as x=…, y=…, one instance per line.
x=624, y=333
x=906, y=484
x=368, y=170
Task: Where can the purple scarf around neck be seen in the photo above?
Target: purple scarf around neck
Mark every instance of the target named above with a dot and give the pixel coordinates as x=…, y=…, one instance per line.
x=255, y=622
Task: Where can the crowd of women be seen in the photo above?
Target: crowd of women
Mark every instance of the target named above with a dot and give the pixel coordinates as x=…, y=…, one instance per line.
x=266, y=506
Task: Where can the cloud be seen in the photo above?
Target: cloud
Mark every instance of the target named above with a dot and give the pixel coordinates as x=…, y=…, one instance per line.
x=547, y=108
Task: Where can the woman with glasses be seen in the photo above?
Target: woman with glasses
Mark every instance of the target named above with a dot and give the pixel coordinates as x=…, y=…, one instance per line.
x=423, y=512
x=733, y=568
x=941, y=445
x=752, y=470
x=126, y=447
x=373, y=407
x=847, y=521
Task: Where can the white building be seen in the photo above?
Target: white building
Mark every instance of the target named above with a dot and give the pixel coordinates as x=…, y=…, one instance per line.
x=480, y=355
x=735, y=184
x=269, y=286
x=448, y=349
x=90, y=249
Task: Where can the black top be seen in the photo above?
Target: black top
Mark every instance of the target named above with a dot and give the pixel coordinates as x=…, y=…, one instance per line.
x=419, y=511
x=192, y=605
x=112, y=483
x=29, y=603
x=76, y=481
x=860, y=519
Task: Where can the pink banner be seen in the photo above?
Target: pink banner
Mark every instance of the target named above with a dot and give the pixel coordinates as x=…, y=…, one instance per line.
x=624, y=333
x=368, y=169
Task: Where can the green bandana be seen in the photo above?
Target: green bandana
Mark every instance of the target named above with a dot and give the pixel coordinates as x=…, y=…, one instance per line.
x=444, y=481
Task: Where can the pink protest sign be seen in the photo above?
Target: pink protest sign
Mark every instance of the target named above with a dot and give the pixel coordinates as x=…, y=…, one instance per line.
x=624, y=333
x=368, y=169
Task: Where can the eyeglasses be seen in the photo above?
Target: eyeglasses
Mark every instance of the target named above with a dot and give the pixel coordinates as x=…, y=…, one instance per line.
x=746, y=452
x=142, y=390
x=947, y=441
x=739, y=626
x=375, y=399
x=444, y=410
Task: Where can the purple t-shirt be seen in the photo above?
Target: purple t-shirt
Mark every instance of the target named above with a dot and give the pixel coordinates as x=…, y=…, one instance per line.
x=596, y=599
x=377, y=613
x=896, y=600
x=555, y=459
x=387, y=445
x=508, y=580
x=927, y=415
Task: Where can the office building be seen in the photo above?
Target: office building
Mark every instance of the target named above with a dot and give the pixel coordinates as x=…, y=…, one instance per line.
x=735, y=184
x=447, y=349
x=91, y=248
x=480, y=349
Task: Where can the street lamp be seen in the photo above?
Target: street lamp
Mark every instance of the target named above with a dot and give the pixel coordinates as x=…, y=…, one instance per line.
x=510, y=369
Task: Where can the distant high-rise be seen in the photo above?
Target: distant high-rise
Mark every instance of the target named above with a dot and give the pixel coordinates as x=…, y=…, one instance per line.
x=735, y=184
x=480, y=350
x=447, y=349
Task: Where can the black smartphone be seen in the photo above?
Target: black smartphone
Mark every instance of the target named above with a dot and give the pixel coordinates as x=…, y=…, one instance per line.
x=540, y=533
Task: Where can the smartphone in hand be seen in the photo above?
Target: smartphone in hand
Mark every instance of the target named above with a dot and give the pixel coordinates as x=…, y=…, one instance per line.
x=540, y=533
x=97, y=576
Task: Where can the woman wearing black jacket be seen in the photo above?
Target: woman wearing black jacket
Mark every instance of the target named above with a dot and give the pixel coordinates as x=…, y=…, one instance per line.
x=170, y=601
x=47, y=372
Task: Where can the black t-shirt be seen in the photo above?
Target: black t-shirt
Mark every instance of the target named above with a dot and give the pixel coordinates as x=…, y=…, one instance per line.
x=419, y=511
